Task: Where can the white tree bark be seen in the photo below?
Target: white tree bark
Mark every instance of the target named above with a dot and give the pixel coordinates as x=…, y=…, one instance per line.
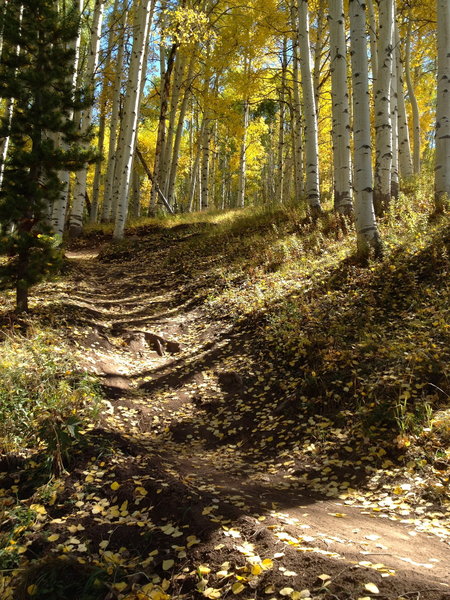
x=340, y=109
x=310, y=116
x=59, y=210
x=243, y=157
x=205, y=152
x=413, y=100
x=9, y=110
x=129, y=123
x=114, y=120
x=366, y=227
x=373, y=39
x=279, y=183
x=395, y=124
x=79, y=194
x=404, y=146
x=383, y=123
x=442, y=156
x=297, y=113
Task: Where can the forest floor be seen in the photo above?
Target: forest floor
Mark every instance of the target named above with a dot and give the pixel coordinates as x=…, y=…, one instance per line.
x=207, y=474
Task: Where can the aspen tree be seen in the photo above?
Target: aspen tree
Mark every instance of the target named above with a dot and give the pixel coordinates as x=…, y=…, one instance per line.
x=279, y=183
x=310, y=115
x=114, y=119
x=366, y=228
x=296, y=112
x=413, y=100
x=129, y=123
x=404, y=146
x=102, y=121
x=442, y=156
x=79, y=194
x=59, y=209
x=383, y=123
x=340, y=109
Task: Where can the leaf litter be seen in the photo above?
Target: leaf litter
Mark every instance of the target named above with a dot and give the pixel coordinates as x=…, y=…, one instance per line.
x=207, y=476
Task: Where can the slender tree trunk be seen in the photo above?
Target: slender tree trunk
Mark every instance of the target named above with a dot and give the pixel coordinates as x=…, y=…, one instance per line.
x=383, y=124
x=297, y=114
x=442, y=160
x=340, y=109
x=205, y=151
x=179, y=133
x=174, y=101
x=79, y=195
x=413, y=100
x=161, y=139
x=59, y=210
x=373, y=39
x=395, y=123
x=404, y=146
x=311, y=130
x=279, y=183
x=114, y=120
x=129, y=123
x=366, y=227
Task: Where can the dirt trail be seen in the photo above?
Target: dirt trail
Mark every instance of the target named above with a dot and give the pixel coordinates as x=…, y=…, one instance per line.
x=171, y=375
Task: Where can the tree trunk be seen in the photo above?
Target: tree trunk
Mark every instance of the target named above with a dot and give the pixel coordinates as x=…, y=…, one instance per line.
x=383, y=124
x=340, y=109
x=404, y=146
x=129, y=123
x=413, y=100
x=59, y=211
x=442, y=160
x=79, y=194
x=366, y=228
x=310, y=116
x=297, y=114
x=114, y=120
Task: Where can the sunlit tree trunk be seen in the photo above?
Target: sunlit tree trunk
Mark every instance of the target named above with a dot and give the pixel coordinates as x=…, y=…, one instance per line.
x=366, y=228
x=177, y=84
x=372, y=24
x=383, y=123
x=59, y=210
x=179, y=133
x=442, y=160
x=205, y=152
x=129, y=122
x=114, y=119
x=310, y=116
x=297, y=114
x=395, y=124
x=413, y=101
x=404, y=146
x=279, y=189
x=79, y=194
x=340, y=109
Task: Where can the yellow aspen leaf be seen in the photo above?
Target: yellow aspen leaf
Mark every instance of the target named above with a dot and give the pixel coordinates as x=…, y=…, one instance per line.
x=120, y=586
x=324, y=577
x=287, y=591
x=32, y=589
x=269, y=589
x=140, y=491
x=371, y=587
x=168, y=564
x=39, y=509
x=203, y=570
x=257, y=569
x=115, y=486
x=97, y=508
x=212, y=593
x=237, y=587
x=53, y=537
x=267, y=564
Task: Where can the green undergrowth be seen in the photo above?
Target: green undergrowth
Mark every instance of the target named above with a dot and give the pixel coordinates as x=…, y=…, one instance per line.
x=45, y=400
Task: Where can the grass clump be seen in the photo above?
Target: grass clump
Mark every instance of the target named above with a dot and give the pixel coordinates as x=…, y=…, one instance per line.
x=44, y=400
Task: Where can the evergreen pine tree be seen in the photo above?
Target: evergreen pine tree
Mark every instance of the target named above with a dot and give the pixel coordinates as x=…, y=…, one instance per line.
x=36, y=71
